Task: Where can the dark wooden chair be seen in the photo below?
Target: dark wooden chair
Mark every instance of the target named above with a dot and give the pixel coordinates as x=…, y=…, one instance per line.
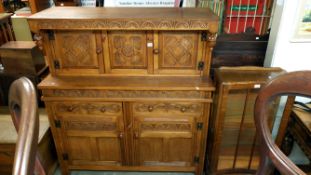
x=24, y=111
x=294, y=84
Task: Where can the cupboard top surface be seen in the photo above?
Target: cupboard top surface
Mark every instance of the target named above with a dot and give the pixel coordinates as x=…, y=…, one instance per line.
x=246, y=75
x=128, y=83
x=125, y=18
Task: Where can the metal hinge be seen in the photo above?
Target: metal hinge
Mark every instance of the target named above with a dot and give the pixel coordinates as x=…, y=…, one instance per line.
x=65, y=156
x=199, y=125
x=56, y=64
x=201, y=65
x=51, y=34
x=196, y=159
x=57, y=123
x=203, y=36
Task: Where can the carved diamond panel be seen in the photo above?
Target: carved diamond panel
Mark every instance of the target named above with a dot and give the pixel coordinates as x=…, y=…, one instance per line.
x=179, y=50
x=76, y=49
x=128, y=50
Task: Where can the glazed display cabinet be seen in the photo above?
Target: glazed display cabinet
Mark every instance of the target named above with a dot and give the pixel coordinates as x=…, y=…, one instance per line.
x=233, y=145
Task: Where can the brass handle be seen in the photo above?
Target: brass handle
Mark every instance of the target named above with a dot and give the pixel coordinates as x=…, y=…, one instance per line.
x=183, y=109
x=150, y=108
x=129, y=126
x=121, y=135
x=99, y=50
x=136, y=135
x=70, y=108
x=156, y=51
x=102, y=109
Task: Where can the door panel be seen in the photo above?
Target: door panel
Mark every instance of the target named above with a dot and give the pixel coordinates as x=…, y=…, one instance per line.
x=179, y=53
x=127, y=52
x=91, y=135
x=164, y=140
x=76, y=51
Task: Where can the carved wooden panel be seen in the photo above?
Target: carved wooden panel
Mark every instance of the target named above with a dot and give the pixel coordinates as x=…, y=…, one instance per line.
x=168, y=107
x=89, y=108
x=156, y=139
x=178, y=50
x=76, y=49
x=125, y=94
x=90, y=126
x=91, y=139
x=127, y=50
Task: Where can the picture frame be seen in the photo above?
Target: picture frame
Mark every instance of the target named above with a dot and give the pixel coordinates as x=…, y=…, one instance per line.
x=302, y=30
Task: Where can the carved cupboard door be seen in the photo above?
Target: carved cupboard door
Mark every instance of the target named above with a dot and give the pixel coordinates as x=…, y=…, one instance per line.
x=178, y=52
x=77, y=52
x=127, y=52
x=92, y=132
x=165, y=134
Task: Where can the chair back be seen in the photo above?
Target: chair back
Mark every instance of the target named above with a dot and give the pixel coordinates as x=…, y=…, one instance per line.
x=294, y=84
x=24, y=112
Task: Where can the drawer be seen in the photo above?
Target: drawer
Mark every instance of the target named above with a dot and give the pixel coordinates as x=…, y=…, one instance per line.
x=88, y=108
x=161, y=108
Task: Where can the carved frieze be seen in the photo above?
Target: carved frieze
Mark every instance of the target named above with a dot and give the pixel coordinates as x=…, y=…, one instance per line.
x=166, y=126
x=88, y=108
x=118, y=24
x=125, y=94
x=90, y=125
x=168, y=107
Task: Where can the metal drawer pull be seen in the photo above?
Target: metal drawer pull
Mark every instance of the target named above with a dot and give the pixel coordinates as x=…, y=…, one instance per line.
x=70, y=108
x=102, y=109
x=183, y=109
x=150, y=108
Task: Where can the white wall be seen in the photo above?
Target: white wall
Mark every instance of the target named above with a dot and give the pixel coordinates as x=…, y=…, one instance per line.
x=281, y=52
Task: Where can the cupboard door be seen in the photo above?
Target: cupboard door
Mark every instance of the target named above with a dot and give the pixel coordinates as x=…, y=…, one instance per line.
x=164, y=141
x=178, y=53
x=76, y=52
x=92, y=139
x=127, y=52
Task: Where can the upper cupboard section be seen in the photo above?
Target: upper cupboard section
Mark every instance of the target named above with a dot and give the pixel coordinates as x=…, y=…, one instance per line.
x=126, y=41
x=127, y=52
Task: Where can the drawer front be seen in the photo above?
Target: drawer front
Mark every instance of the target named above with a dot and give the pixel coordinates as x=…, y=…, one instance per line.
x=88, y=108
x=146, y=108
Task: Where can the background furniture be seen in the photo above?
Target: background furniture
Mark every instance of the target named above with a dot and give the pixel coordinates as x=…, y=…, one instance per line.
x=233, y=146
x=299, y=130
x=129, y=87
x=20, y=58
x=245, y=49
x=294, y=83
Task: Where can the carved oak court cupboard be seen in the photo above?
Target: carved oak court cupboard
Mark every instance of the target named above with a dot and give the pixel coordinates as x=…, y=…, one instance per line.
x=129, y=88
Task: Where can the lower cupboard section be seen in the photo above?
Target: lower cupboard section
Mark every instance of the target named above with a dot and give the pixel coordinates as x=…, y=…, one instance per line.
x=148, y=136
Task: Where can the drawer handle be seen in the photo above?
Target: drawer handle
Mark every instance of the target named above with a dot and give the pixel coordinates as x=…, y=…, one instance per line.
x=121, y=135
x=156, y=51
x=99, y=51
x=102, y=109
x=70, y=108
x=183, y=109
x=150, y=108
x=136, y=135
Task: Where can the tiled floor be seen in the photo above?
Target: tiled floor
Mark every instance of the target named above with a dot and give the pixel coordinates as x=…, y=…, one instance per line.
x=120, y=173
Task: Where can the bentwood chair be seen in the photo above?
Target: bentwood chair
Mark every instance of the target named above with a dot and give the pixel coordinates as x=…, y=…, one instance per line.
x=294, y=84
x=24, y=111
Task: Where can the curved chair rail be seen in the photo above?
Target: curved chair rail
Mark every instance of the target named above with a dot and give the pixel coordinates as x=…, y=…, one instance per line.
x=24, y=112
x=294, y=83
